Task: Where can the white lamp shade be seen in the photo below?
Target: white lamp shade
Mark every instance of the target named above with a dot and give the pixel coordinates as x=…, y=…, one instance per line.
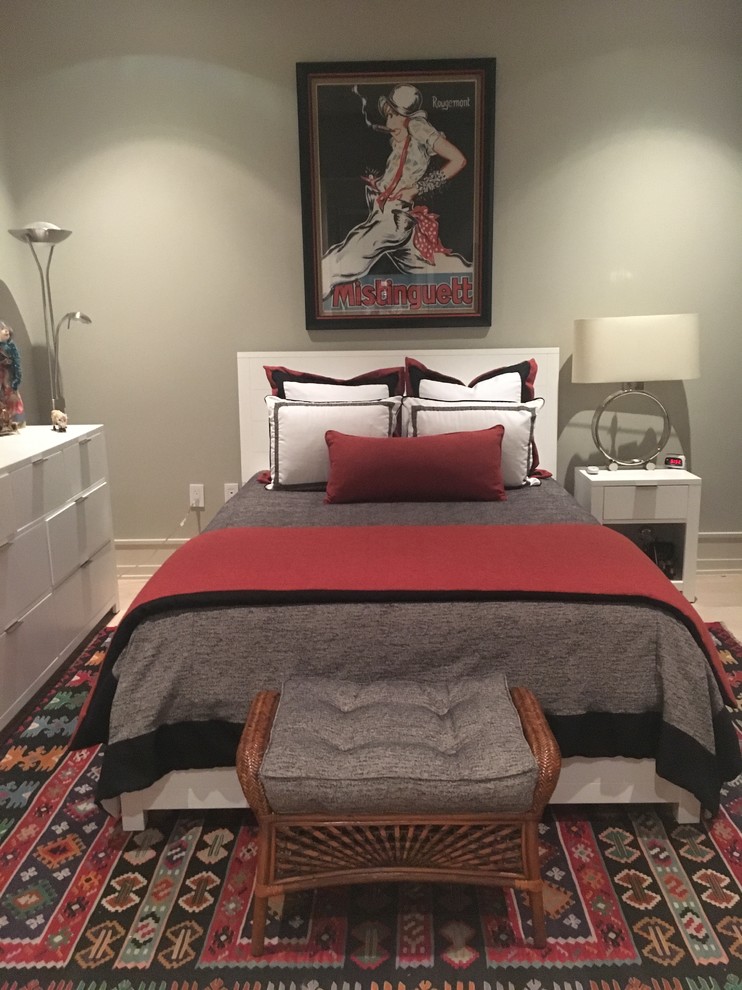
x=636, y=348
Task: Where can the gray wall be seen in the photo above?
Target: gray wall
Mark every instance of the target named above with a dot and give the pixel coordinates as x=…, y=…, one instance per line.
x=165, y=136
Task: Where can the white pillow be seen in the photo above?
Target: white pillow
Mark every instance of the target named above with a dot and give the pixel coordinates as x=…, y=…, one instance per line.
x=298, y=452
x=426, y=417
x=321, y=392
x=502, y=388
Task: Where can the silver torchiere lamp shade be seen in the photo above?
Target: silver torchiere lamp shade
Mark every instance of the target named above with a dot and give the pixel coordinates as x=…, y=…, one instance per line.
x=41, y=232
x=634, y=350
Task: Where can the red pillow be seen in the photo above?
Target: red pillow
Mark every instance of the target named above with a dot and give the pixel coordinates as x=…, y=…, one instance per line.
x=393, y=378
x=416, y=372
x=447, y=467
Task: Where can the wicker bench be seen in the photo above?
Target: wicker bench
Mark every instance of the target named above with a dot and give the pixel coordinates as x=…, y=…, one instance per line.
x=397, y=781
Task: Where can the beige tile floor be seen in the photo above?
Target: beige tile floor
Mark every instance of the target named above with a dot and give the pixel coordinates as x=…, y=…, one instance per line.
x=719, y=599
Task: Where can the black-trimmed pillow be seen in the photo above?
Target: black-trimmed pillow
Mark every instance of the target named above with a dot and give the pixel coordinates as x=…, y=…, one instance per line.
x=512, y=383
x=427, y=417
x=298, y=452
x=393, y=379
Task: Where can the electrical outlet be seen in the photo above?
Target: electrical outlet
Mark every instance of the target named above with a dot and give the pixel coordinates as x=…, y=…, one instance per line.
x=230, y=489
x=196, y=496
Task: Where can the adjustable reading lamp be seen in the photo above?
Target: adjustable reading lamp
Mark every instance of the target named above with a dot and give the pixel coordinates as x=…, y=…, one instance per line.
x=58, y=400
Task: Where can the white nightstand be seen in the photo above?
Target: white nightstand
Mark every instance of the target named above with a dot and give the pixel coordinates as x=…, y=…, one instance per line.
x=665, y=502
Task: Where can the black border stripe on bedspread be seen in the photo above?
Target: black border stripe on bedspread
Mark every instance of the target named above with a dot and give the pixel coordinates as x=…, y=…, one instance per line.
x=134, y=764
x=679, y=758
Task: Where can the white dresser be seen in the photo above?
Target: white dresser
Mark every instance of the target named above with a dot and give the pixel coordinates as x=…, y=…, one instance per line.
x=57, y=561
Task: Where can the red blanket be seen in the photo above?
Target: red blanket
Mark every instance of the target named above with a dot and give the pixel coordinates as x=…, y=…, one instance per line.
x=576, y=562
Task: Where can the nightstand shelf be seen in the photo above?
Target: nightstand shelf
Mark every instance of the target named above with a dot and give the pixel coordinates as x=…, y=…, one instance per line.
x=659, y=510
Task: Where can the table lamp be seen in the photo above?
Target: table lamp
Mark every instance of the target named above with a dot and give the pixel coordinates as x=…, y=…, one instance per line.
x=634, y=350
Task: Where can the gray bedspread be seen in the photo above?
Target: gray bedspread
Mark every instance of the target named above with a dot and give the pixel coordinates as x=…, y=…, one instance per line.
x=254, y=505
x=615, y=678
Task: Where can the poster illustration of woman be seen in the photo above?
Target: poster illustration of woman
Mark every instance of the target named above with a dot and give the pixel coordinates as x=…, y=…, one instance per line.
x=396, y=192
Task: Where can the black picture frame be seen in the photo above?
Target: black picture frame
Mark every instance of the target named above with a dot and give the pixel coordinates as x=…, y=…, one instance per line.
x=397, y=232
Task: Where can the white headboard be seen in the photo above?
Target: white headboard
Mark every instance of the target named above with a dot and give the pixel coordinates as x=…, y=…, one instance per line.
x=462, y=364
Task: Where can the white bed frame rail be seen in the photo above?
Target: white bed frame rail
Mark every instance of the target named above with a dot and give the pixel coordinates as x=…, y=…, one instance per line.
x=582, y=781
x=613, y=780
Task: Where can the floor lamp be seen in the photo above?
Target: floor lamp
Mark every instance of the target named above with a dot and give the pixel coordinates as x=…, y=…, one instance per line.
x=39, y=233
x=634, y=350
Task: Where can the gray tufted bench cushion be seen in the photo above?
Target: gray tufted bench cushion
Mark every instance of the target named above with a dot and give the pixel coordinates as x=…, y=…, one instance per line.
x=345, y=747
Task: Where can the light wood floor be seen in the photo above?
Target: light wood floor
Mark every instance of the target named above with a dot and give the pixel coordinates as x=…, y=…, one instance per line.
x=719, y=599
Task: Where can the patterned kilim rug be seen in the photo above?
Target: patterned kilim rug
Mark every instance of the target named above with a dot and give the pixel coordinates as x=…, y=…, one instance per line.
x=633, y=899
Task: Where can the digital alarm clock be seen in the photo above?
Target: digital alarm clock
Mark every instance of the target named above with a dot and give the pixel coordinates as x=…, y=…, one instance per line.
x=675, y=460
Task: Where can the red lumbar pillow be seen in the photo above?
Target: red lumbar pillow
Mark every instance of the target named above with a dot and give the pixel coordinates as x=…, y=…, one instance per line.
x=446, y=467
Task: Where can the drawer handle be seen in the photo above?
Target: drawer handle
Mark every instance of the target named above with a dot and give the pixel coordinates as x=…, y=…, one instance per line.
x=13, y=626
x=6, y=543
x=80, y=498
x=86, y=563
x=40, y=460
x=85, y=440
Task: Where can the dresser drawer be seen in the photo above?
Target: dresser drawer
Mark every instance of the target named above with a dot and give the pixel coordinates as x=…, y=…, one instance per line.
x=27, y=651
x=78, y=530
x=86, y=462
x=39, y=487
x=84, y=595
x=7, y=512
x=644, y=503
x=25, y=574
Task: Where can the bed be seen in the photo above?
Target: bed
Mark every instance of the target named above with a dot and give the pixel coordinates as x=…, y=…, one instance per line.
x=280, y=577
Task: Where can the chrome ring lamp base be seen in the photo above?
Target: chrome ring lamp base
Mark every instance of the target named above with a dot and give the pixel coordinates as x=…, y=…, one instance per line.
x=635, y=388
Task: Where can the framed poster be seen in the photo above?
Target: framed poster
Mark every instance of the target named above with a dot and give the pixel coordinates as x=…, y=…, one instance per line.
x=396, y=186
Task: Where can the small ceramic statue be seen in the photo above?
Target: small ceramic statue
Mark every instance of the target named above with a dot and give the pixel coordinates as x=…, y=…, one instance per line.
x=11, y=404
x=59, y=421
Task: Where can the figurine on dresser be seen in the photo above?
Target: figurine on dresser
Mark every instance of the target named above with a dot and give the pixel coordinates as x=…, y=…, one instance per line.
x=59, y=421
x=11, y=404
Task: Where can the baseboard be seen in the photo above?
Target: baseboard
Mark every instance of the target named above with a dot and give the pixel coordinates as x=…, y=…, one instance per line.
x=717, y=553
x=139, y=559
x=720, y=553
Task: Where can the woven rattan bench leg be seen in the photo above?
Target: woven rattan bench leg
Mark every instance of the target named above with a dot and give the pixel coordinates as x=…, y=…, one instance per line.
x=260, y=900
x=260, y=912
x=533, y=872
x=536, y=897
